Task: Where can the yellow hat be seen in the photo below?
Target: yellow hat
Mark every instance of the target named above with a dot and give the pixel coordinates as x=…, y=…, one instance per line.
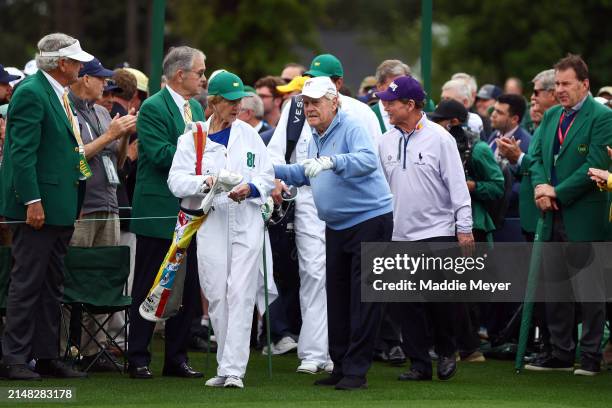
x=142, y=81
x=296, y=84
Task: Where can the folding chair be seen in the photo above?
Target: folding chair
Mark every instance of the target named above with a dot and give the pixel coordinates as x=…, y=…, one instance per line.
x=96, y=282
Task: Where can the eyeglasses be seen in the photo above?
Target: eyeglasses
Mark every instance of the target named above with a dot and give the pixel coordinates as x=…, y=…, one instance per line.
x=536, y=92
x=199, y=73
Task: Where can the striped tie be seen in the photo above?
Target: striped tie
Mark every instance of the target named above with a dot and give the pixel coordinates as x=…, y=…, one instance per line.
x=72, y=119
x=187, y=113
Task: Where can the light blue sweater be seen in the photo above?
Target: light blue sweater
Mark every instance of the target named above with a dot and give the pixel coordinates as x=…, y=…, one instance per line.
x=355, y=190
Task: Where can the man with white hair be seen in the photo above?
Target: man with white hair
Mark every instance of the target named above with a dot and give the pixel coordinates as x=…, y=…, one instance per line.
x=458, y=90
x=252, y=112
x=289, y=144
x=161, y=120
x=354, y=202
x=42, y=174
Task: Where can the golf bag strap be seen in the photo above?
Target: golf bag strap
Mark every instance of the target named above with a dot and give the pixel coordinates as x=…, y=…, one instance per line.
x=295, y=123
x=200, y=144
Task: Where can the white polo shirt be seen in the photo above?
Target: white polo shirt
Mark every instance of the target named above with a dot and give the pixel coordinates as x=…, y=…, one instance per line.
x=424, y=171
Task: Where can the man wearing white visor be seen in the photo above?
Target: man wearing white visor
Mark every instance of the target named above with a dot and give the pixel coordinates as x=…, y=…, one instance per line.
x=44, y=169
x=354, y=201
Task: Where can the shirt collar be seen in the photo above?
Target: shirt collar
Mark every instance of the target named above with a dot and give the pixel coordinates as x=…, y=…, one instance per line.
x=258, y=126
x=509, y=133
x=178, y=99
x=57, y=87
x=577, y=106
x=419, y=126
x=79, y=104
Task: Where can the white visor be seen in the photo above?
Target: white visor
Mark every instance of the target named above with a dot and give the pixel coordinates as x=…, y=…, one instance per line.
x=73, y=51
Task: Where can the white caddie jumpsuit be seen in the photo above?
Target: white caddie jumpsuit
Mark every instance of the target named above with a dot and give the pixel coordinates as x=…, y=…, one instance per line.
x=230, y=241
x=310, y=234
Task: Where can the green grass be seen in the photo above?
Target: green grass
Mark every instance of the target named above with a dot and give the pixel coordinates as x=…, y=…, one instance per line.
x=492, y=384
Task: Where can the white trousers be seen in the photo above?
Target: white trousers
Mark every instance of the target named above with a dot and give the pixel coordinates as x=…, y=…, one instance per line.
x=230, y=246
x=310, y=241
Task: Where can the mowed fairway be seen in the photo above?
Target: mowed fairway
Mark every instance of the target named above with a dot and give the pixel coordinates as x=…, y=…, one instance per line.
x=492, y=384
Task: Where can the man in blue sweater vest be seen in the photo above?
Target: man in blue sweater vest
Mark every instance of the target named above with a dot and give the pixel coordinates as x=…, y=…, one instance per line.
x=354, y=200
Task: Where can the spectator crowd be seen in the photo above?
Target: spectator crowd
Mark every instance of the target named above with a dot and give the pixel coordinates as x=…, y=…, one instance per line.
x=88, y=158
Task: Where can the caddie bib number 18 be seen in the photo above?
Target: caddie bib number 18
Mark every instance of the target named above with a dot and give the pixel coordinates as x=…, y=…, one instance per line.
x=250, y=160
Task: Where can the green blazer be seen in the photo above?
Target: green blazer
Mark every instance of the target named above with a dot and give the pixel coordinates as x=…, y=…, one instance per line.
x=378, y=113
x=41, y=159
x=489, y=185
x=583, y=205
x=160, y=123
x=528, y=211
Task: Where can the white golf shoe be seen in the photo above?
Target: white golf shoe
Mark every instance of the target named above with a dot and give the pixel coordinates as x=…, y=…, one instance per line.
x=216, y=381
x=233, y=382
x=308, y=367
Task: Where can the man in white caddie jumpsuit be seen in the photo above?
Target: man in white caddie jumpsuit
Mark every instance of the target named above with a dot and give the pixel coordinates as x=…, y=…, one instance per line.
x=309, y=229
x=230, y=240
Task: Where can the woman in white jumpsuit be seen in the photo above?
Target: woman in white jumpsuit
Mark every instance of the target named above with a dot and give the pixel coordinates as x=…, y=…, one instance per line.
x=230, y=240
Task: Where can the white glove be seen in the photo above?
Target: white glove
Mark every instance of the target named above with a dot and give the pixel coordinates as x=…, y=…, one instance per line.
x=267, y=209
x=224, y=181
x=312, y=167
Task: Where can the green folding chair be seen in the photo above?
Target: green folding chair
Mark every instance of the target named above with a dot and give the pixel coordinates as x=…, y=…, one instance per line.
x=96, y=282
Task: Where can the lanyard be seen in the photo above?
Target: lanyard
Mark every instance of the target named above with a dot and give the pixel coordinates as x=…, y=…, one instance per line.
x=561, y=135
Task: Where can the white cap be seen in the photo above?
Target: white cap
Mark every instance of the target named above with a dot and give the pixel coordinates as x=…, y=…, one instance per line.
x=30, y=68
x=319, y=86
x=73, y=51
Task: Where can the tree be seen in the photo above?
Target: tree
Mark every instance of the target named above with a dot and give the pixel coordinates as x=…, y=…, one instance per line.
x=251, y=38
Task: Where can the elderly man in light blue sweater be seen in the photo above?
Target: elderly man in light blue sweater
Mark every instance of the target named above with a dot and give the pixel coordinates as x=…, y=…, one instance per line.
x=353, y=198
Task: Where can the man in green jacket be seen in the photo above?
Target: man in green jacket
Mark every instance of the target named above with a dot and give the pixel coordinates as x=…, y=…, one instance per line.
x=44, y=161
x=572, y=138
x=161, y=120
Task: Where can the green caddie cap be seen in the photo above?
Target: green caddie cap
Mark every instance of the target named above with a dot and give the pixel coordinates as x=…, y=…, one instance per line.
x=325, y=65
x=227, y=85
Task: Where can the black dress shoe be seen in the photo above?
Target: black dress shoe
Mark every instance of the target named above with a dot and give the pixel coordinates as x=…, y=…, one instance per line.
x=351, y=382
x=414, y=375
x=21, y=372
x=447, y=367
x=332, y=380
x=101, y=364
x=140, y=373
x=181, y=370
x=57, y=369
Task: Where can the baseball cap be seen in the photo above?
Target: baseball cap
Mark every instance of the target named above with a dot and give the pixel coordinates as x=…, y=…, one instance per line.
x=73, y=51
x=316, y=87
x=142, y=81
x=296, y=84
x=226, y=85
x=604, y=90
x=325, y=65
x=111, y=86
x=449, y=109
x=95, y=68
x=404, y=87
x=6, y=77
x=489, y=91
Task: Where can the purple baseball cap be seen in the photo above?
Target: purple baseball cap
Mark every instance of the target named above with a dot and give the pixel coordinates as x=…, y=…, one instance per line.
x=404, y=87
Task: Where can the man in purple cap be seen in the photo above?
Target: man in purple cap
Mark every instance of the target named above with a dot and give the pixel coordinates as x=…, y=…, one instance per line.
x=105, y=141
x=420, y=159
x=40, y=178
